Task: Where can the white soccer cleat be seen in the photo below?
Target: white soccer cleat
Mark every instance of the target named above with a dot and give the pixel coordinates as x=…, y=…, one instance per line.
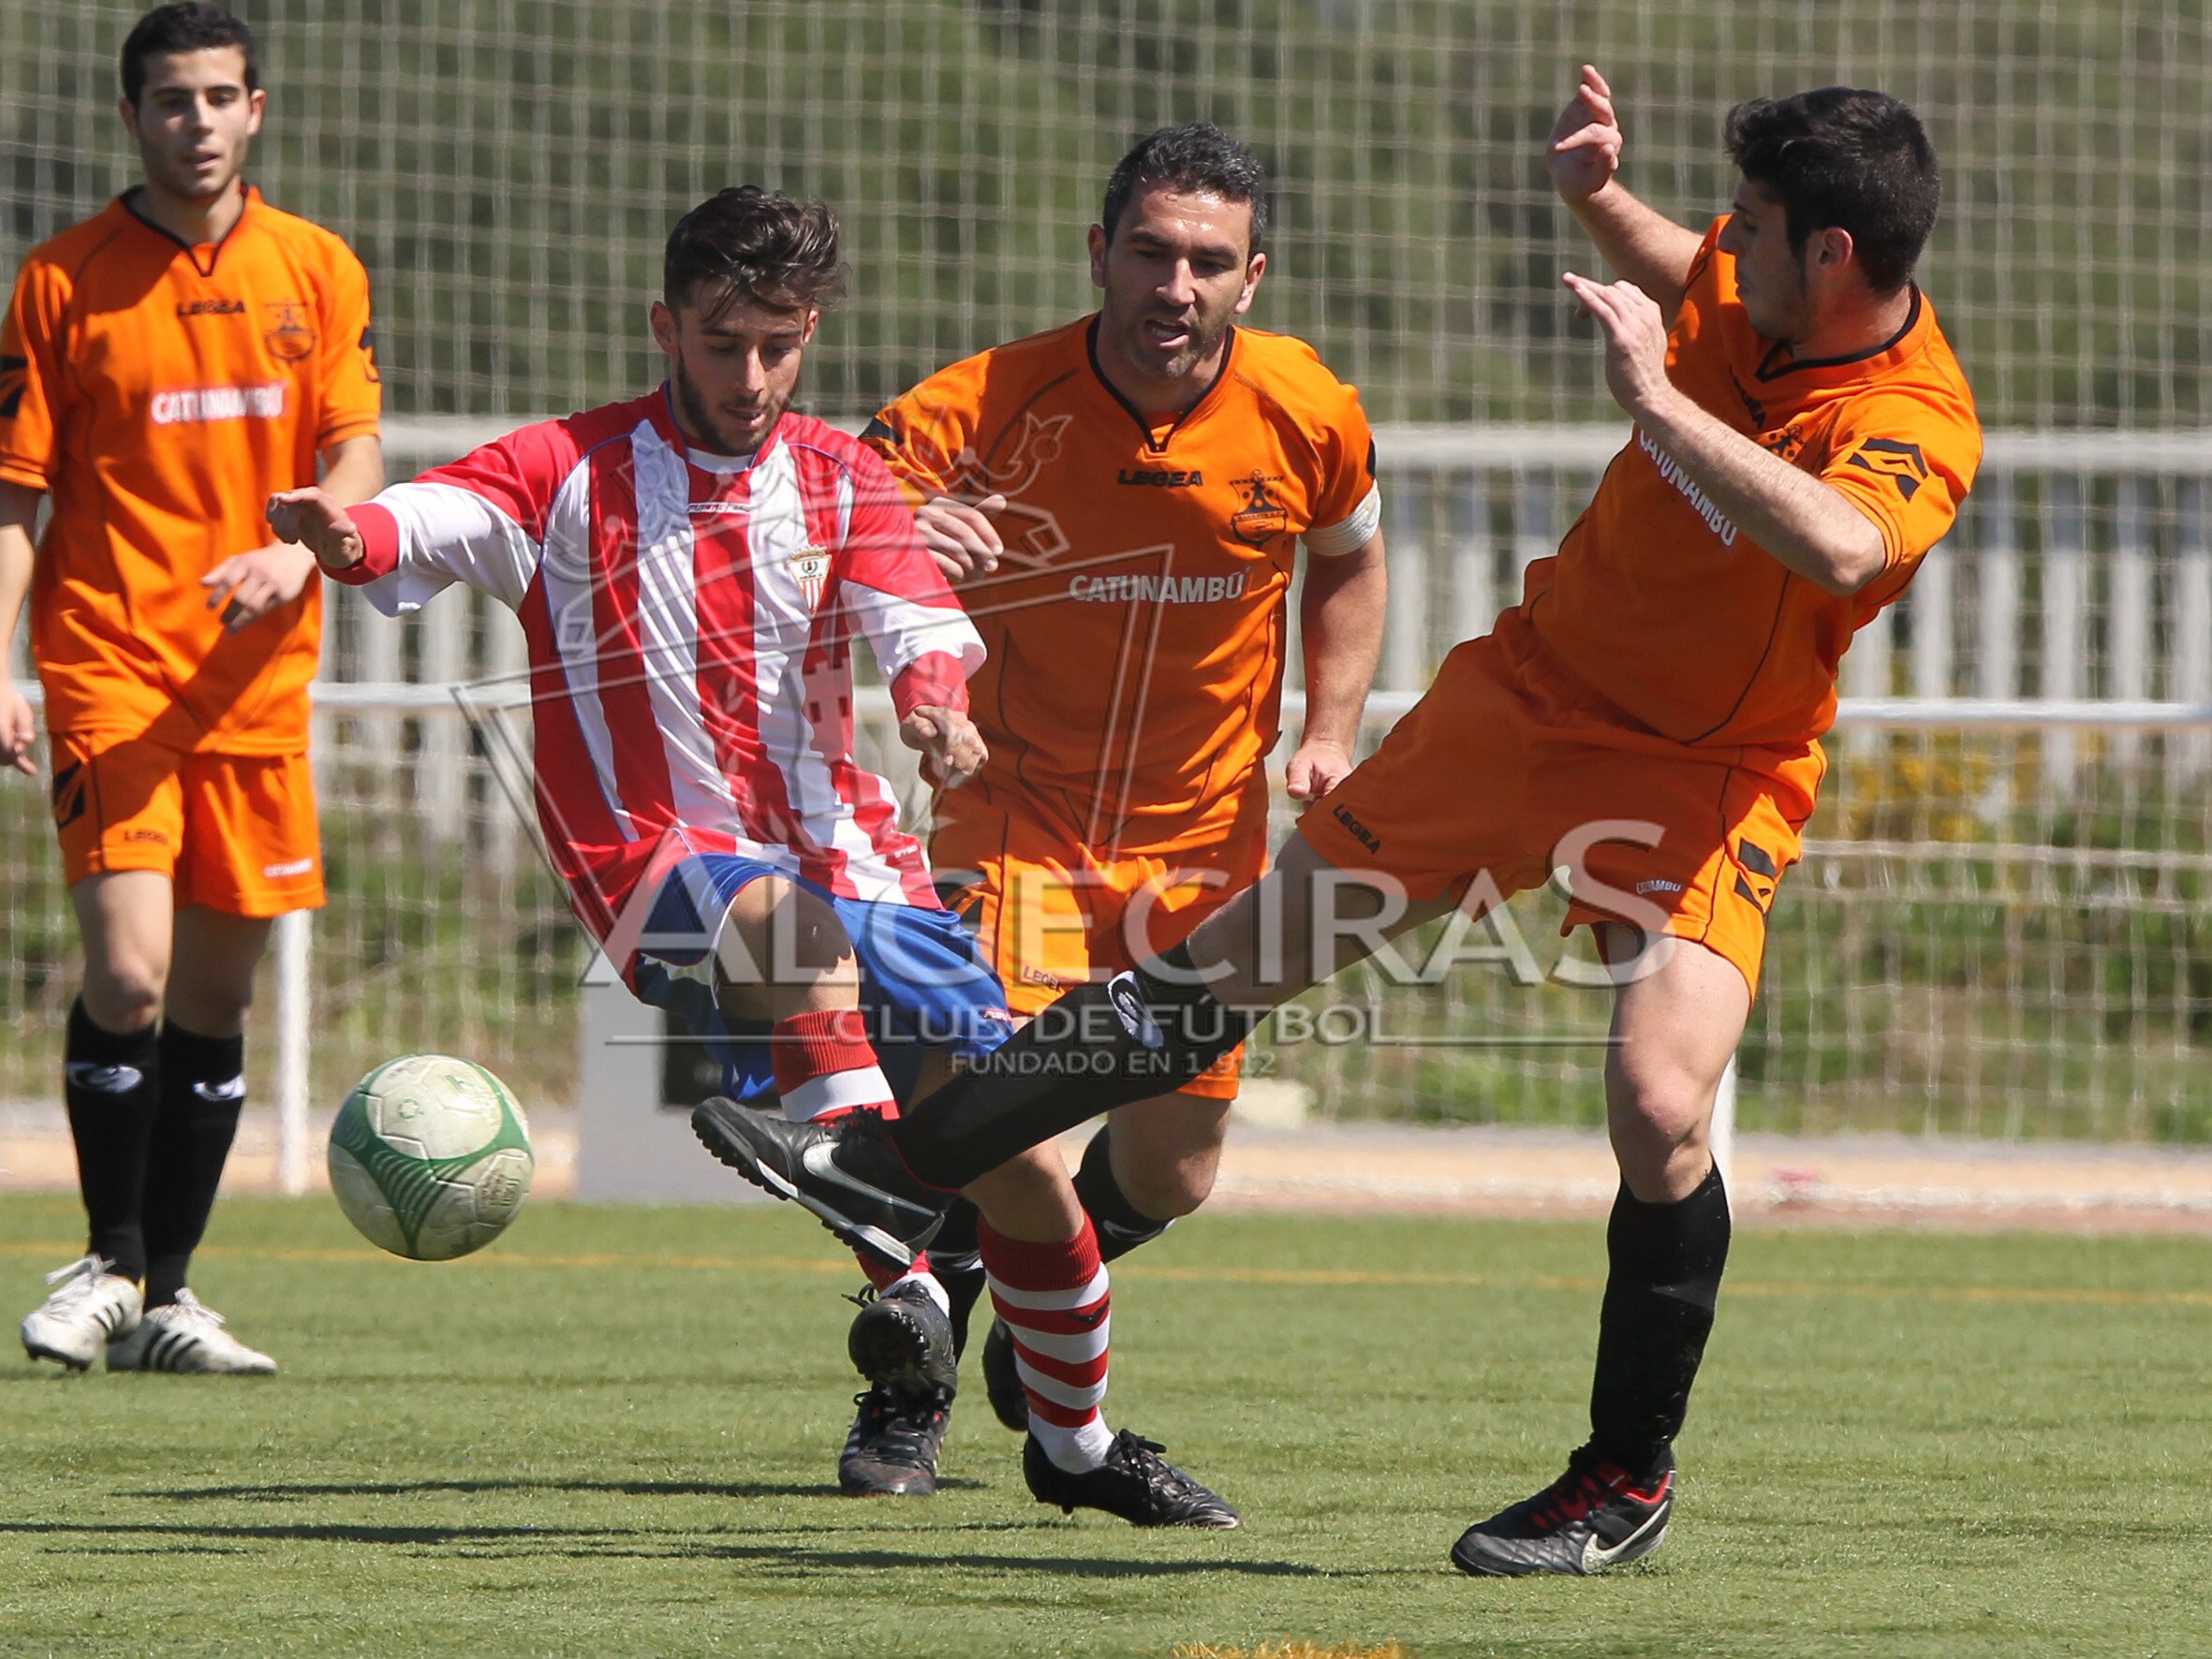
x=89, y=1306
x=187, y=1335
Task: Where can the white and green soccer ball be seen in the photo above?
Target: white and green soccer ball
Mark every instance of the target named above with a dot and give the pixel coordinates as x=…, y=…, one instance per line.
x=430, y=1157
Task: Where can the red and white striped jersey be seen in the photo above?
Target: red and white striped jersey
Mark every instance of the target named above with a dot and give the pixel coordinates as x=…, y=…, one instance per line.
x=690, y=621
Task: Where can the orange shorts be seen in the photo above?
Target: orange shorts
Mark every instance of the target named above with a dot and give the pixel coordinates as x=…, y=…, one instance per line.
x=1053, y=913
x=234, y=833
x=1509, y=769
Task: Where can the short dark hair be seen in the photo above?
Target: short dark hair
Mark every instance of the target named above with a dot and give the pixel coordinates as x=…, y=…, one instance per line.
x=1197, y=156
x=768, y=248
x=186, y=27
x=1841, y=158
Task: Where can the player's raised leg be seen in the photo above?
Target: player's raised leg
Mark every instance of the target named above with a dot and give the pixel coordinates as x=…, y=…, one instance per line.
x=1673, y=1031
x=1100, y=1047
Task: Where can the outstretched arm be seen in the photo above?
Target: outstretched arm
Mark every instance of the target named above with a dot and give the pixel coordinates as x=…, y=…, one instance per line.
x=1801, y=523
x=1641, y=245
x=315, y=519
x=249, y=585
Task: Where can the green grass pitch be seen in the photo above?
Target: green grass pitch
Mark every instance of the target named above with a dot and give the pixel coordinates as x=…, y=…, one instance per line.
x=615, y=1430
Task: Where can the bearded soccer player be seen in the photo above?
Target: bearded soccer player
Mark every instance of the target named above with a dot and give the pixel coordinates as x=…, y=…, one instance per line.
x=1121, y=500
x=164, y=367
x=692, y=569
x=1802, y=437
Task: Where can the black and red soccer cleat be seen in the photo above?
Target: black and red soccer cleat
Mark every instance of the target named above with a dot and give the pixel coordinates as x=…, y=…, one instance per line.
x=894, y=1447
x=1594, y=1517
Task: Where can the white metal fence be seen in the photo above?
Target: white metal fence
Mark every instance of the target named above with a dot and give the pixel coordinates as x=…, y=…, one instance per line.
x=2001, y=926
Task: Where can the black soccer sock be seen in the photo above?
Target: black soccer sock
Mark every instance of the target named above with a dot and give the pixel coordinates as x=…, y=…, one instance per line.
x=202, y=1090
x=1100, y=1046
x=111, y=1082
x=1664, y=1264
x=1120, y=1225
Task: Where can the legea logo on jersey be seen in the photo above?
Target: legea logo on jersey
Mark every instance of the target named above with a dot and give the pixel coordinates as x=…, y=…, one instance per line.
x=190, y=406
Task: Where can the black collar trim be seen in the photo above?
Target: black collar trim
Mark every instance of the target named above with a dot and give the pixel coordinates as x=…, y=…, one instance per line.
x=1769, y=371
x=192, y=253
x=1158, y=446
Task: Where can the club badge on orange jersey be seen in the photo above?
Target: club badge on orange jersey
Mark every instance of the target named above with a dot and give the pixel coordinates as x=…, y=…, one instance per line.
x=1262, y=518
x=290, y=336
x=810, y=567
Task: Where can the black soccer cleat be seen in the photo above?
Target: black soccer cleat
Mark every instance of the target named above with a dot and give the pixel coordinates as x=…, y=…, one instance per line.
x=1002, y=1379
x=1594, y=1517
x=892, y=1450
x=902, y=1341
x=844, y=1169
x=1134, y=1482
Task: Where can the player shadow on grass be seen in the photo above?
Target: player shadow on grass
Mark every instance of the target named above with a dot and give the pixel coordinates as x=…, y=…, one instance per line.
x=633, y=1489
x=577, y=1542
x=807, y=1560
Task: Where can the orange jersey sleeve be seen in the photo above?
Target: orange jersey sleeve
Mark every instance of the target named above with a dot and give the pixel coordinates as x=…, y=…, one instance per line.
x=926, y=436
x=31, y=376
x=1347, y=500
x=178, y=388
x=350, y=392
x=1906, y=459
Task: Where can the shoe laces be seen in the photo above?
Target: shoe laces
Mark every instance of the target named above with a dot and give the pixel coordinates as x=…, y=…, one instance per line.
x=188, y=1306
x=890, y=1418
x=78, y=1280
x=1588, y=1484
x=1141, y=1458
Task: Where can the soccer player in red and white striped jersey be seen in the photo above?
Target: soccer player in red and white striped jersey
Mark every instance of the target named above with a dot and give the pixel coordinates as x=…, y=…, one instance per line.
x=692, y=569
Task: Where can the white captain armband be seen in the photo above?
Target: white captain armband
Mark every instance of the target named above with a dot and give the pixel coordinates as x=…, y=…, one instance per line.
x=1336, y=540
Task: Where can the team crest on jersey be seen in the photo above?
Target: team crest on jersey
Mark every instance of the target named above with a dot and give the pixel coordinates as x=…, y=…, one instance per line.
x=288, y=336
x=810, y=567
x=1263, y=517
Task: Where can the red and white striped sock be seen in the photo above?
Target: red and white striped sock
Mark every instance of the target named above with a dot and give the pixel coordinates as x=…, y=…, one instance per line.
x=1053, y=1299
x=825, y=1066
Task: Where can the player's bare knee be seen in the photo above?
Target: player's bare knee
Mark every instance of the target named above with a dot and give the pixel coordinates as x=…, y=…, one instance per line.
x=782, y=950
x=1659, y=1130
x=211, y=1009
x=1167, y=1152
x=1029, y=1196
x=1170, y=1191
x=123, y=992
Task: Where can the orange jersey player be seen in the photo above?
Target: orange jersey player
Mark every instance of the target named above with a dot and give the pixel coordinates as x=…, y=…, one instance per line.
x=1647, y=718
x=1121, y=500
x=165, y=366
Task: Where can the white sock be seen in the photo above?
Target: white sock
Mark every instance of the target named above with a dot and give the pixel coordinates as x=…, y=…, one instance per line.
x=928, y=1281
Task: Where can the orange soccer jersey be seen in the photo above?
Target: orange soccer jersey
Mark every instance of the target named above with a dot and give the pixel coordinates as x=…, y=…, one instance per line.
x=1135, y=629
x=1659, y=603
x=1647, y=718
x=160, y=394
